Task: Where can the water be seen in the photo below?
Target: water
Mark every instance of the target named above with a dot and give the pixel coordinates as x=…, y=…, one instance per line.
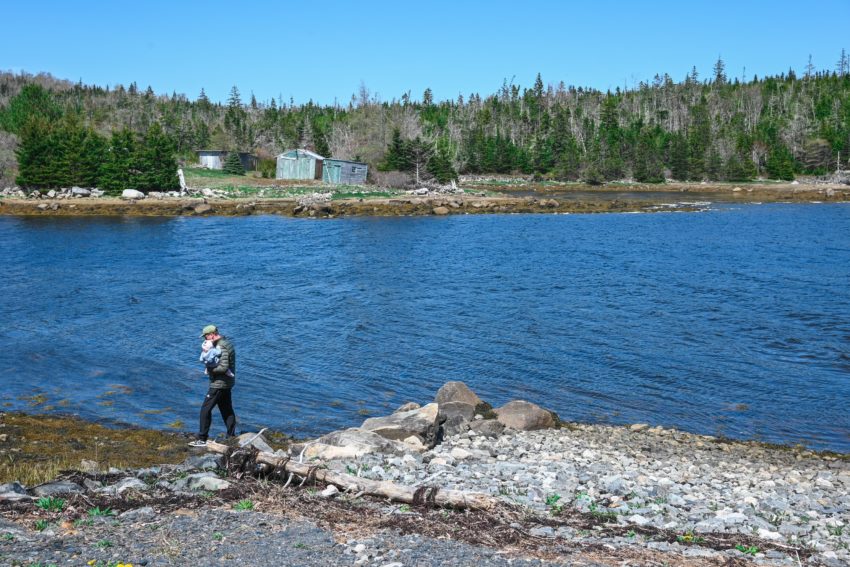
x=734, y=321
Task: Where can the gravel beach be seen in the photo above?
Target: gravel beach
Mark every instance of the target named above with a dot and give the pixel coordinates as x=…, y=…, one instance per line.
x=579, y=495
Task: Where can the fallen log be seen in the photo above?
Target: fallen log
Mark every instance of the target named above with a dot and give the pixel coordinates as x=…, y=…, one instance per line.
x=428, y=495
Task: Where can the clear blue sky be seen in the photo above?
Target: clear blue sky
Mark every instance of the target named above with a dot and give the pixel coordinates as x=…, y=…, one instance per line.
x=323, y=50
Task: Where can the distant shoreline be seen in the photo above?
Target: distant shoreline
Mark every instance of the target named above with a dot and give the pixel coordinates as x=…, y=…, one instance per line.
x=545, y=199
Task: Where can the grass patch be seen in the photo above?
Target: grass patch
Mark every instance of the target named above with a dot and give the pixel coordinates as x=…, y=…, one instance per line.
x=244, y=505
x=50, y=504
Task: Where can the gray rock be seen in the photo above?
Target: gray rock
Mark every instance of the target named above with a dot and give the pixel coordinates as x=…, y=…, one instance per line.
x=422, y=422
x=456, y=392
x=457, y=409
x=201, y=481
x=487, y=427
x=207, y=461
x=138, y=514
x=345, y=444
x=132, y=194
x=58, y=488
x=257, y=441
x=80, y=192
x=202, y=209
x=15, y=487
x=524, y=416
x=407, y=407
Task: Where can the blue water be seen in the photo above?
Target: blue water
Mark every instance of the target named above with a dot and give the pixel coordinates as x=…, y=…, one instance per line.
x=734, y=321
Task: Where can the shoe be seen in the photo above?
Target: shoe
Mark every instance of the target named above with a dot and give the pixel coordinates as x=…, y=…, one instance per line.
x=198, y=443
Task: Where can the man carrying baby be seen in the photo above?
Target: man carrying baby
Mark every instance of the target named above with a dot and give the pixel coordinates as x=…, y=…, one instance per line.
x=222, y=377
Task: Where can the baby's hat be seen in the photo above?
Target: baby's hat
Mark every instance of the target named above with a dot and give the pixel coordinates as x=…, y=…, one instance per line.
x=207, y=345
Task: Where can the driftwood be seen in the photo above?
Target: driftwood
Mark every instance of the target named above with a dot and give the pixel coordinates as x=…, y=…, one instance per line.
x=428, y=495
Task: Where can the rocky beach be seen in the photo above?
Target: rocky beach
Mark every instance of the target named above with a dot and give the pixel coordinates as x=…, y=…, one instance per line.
x=439, y=201
x=541, y=491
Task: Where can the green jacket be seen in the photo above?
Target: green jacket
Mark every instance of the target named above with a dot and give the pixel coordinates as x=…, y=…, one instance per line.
x=218, y=375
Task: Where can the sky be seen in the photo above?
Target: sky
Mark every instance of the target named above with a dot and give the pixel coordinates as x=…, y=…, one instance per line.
x=324, y=52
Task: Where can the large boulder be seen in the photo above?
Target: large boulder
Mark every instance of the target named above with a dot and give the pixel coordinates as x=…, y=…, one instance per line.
x=525, y=416
x=346, y=444
x=58, y=488
x=132, y=194
x=423, y=422
x=456, y=392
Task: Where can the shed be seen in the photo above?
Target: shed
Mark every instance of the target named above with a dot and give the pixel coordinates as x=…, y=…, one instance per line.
x=214, y=159
x=344, y=171
x=299, y=164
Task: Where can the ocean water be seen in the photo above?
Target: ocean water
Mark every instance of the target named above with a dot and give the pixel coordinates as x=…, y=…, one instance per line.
x=734, y=321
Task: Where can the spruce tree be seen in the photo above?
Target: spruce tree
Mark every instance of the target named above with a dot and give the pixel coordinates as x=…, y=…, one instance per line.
x=233, y=165
x=119, y=169
x=157, y=166
x=34, y=152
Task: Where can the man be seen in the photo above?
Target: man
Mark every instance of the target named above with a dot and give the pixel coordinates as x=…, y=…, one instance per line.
x=222, y=378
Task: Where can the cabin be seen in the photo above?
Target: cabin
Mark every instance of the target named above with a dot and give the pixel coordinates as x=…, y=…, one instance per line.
x=299, y=164
x=344, y=171
x=214, y=159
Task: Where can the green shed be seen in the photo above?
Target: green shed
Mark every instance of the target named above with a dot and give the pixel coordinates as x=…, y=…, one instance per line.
x=299, y=164
x=344, y=171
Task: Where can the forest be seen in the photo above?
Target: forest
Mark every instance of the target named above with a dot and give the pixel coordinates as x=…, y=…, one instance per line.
x=713, y=128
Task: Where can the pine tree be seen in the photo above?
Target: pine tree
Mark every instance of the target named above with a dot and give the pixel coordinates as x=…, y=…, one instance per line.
x=233, y=165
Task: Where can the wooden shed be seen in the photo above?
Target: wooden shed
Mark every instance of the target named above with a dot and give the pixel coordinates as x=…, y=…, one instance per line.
x=299, y=164
x=214, y=159
x=344, y=171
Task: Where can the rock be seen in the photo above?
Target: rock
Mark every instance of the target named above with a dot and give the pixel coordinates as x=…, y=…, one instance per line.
x=155, y=195
x=440, y=211
x=58, y=488
x=80, y=192
x=422, y=422
x=88, y=466
x=736, y=189
x=407, y=407
x=131, y=483
x=51, y=194
x=97, y=193
x=345, y=444
x=138, y=514
x=524, y=416
x=456, y=392
x=15, y=486
x=487, y=427
x=460, y=409
x=639, y=426
x=454, y=425
x=43, y=206
x=329, y=492
x=459, y=454
x=207, y=461
x=132, y=194
x=202, y=209
x=415, y=443
x=202, y=481
x=13, y=492
x=257, y=441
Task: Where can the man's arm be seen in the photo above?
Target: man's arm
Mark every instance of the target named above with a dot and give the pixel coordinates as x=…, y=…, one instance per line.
x=223, y=363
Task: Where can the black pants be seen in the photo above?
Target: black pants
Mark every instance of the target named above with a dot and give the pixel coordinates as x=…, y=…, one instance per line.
x=217, y=397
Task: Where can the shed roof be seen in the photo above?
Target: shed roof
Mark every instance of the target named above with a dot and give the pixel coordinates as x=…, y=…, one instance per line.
x=308, y=153
x=346, y=161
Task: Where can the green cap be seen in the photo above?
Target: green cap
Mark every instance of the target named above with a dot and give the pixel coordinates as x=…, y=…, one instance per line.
x=209, y=329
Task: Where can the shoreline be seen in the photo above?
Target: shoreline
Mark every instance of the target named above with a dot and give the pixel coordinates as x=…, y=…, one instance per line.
x=546, y=199
x=582, y=494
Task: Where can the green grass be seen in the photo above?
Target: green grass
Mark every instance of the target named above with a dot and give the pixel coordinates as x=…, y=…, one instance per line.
x=244, y=505
x=98, y=511
x=103, y=544
x=50, y=504
x=41, y=525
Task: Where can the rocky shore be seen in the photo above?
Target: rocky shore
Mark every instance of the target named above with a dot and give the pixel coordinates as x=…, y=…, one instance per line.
x=563, y=493
x=84, y=202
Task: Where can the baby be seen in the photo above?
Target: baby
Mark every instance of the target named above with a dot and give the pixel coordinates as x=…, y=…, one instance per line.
x=210, y=356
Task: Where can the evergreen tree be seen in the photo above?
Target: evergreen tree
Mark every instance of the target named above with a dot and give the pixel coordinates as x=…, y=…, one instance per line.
x=397, y=157
x=233, y=165
x=780, y=163
x=35, y=152
x=119, y=170
x=440, y=164
x=32, y=101
x=157, y=166
x=679, y=158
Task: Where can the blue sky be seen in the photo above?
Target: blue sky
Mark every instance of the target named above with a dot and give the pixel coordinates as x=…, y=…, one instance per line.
x=323, y=51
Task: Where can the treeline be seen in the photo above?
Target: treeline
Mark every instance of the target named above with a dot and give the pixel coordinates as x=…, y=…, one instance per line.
x=56, y=149
x=718, y=128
